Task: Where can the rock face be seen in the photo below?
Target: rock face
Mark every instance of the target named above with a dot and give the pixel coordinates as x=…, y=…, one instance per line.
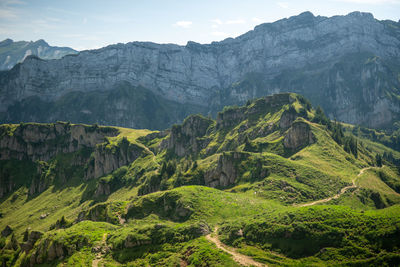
x=346, y=64
x=33, y=236
x=225, y=173
x=35, y=145
x=299, y=135
x=44, y=141
x=15, y=52
x=186, y=138
x=107, y=159
x=6, y=231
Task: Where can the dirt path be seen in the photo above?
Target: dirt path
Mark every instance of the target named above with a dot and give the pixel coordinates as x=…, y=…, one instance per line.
x=239, y=258
x=101, y=251
x=342, y=191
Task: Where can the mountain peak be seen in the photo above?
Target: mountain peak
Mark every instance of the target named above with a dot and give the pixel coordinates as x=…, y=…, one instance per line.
x=41, y=42
x=361, y=14
x=6, y=42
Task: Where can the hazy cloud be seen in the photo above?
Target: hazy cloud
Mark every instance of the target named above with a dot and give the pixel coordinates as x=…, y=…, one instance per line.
x=373, y=2
x=220, y=34
x=7, y=14
x=257, y=20
x=283, y=4
x=237, y=21
x=183, y=24
x=217, y=21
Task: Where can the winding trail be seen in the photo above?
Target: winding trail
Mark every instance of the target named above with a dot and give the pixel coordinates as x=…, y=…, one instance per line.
x=101, y=252
x=246, y=260
x=239, y=258
x=342, y=191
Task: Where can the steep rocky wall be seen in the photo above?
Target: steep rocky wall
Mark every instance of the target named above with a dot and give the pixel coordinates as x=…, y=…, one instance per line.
x=298, y=136
x=204, y=74
x=106, y=159
x=44, y=141
x=186, y=138
x=225, y=172
x=32, y=146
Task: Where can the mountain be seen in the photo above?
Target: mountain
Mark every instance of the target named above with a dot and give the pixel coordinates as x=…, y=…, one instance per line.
x=349, y=65
x=12, y=52
x=274, y=180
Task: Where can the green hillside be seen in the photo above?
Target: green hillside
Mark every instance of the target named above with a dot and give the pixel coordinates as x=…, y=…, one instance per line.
x=273, y=182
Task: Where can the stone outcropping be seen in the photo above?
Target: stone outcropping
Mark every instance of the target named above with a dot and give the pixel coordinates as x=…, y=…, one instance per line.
x=32, y=237
x=43, y=141
x=186, y=138
x=298, y=136
x=40, y=143
x=225, y=173
x=346, y=64
x=106, y=159
x=6, y=231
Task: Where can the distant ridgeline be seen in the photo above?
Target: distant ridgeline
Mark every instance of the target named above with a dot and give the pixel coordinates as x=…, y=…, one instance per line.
x=12, y=52
x=281, y=182
x=348, y=65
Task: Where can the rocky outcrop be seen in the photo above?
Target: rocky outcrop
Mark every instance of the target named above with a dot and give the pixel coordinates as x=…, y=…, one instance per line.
x=299, y=135
x=49, y=250
x=170, y=205
x=225, y=172
x=35, y=145
x=15, y=52
x=101, y=212
x=32, y=237
x=6, y=231
x=186, y=139
x=107, y=158
x=303, y=54
x=132, y=241
x=33, y=142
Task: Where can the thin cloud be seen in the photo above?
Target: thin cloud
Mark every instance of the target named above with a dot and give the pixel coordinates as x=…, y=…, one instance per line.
x=283, y=4
x=217, y=21
x=12, y=2
x=237, y=21
x=7, y=14
x=257, y=20
x=371, y=2
x=219, y=34
x=183, y=24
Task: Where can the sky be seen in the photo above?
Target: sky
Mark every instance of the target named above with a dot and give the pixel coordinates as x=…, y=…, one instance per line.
x=91, y=24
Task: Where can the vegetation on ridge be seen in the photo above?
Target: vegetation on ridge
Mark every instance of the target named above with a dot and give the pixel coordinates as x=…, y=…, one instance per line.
x=79, y=194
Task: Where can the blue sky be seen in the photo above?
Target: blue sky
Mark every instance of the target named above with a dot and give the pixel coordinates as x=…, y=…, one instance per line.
x=88, y=24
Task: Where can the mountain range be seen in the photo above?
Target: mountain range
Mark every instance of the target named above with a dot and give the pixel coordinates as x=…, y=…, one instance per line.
x=12, y=52
x=349, y=65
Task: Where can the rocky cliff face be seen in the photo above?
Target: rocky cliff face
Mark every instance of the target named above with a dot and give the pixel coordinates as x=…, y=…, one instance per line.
x=298, y=136
x=16, y=52
x=347, y=64
x=186, y=139
x=44, y=141
x=106, y=159
x=84, y=151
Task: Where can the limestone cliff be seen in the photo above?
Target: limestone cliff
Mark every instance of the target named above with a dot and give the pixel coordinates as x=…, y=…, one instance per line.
x=299, y=135
x=347, y=64
x=44, y=141
x=54, y=152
